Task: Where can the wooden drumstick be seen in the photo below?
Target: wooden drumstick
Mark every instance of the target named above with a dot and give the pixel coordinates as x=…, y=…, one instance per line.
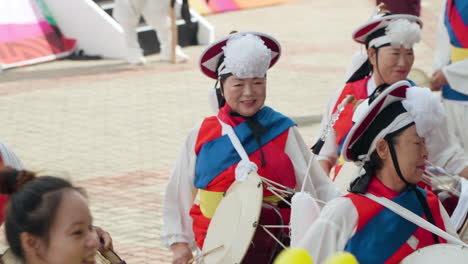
x=174, y=33
x=204, y=254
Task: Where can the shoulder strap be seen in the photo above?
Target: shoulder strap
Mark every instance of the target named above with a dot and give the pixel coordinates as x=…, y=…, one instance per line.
x=245, y=166
x=416, y=219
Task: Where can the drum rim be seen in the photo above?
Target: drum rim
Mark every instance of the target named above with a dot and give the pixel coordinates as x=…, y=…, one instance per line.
x=253, y=179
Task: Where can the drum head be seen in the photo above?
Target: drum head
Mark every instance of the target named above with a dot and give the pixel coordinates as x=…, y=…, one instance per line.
x=436, y=254
x=419, y=77
x=234, y=222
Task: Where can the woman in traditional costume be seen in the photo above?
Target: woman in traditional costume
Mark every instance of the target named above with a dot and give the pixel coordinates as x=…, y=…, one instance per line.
x=388, y=141
x=451, y=67
x=389, y=40
x=209, y=164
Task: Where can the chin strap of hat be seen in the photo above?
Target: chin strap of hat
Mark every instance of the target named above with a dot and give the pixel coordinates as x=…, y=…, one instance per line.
x=257, y=130
x=422, y=200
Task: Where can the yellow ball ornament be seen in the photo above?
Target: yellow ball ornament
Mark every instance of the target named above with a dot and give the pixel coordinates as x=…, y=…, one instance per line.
x=342, y=258
x=293, y=256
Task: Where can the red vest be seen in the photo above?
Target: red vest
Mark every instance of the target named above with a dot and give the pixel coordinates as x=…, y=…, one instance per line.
x=278, y=168
x=344, y=122
x=367, y=209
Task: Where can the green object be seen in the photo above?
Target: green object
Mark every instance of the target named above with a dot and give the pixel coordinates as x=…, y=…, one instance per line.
x=46, y=12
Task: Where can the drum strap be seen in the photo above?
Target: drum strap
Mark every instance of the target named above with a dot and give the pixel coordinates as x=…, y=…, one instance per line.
x=245, y=166
x=416, y=219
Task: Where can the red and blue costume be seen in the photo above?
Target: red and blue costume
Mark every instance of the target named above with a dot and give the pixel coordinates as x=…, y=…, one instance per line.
x=217, y=158
x=456, y=22
x=381, y=230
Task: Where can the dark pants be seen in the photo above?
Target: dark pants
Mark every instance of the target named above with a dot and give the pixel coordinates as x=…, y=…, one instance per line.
x=411, y=7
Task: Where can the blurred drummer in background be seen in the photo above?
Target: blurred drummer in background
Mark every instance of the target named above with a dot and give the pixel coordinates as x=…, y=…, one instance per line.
x=208, y=163
x=389, y=40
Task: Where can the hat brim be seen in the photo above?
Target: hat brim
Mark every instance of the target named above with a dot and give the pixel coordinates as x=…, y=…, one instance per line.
x=361, y=33
x=211, y=55
x=394, y=93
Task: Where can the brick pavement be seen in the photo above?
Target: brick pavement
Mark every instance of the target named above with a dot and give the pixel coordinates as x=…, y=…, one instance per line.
x=116, y=129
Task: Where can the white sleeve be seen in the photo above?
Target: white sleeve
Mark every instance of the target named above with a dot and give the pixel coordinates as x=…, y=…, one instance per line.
x=179, y=196
x=9, y=158
x=457, y=76
x=322, y=187
x=458, y=216
x=444, y=152
x=448, y=224
x=330, y=148
x=331, y=231
x=442, y=51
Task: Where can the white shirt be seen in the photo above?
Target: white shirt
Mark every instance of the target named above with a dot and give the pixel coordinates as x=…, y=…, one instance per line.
x=180, y=192
x=337, y=224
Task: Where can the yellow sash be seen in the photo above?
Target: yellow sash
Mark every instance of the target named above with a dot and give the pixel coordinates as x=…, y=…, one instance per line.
x=209, y=201
x=459, y=54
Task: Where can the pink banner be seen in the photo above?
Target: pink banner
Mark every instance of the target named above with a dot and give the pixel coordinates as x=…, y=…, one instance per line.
x=27, y=37
x=13, y=32
x=219, y=6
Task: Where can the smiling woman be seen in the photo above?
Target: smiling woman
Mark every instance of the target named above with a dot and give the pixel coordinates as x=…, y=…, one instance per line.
x=393, y=64
x=210, y=163
x=47, y=221
x=388, y=39
x=245, y=96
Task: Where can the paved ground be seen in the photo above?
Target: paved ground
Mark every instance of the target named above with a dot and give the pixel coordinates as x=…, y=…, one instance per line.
x=116, y=129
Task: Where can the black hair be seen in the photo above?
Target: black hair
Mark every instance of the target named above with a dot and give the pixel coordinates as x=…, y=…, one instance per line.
x=33, y=208
x=366, y=69
x=363, y=71
x=11, y=180
x=360, y=184
x=221, y=79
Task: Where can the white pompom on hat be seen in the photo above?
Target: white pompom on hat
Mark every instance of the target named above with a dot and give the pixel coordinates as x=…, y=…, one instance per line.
x=245, y=52
x=246, y=56
x=425, y=108
x=409, y=31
